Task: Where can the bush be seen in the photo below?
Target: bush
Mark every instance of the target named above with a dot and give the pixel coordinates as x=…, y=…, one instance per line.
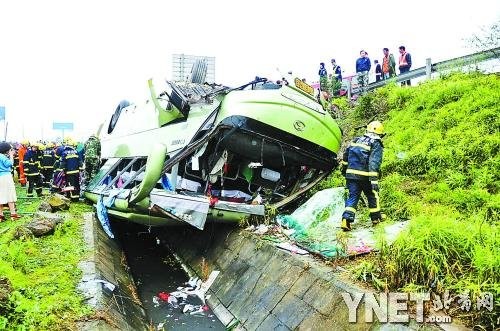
x=441, y=169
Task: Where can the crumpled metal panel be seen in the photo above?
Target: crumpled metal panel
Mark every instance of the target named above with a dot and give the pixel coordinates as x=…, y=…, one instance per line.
x=190, y=209
x=240, y=207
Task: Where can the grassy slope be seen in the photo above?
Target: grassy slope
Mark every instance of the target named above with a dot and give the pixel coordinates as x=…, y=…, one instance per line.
x=441, y=169
x=43, y=272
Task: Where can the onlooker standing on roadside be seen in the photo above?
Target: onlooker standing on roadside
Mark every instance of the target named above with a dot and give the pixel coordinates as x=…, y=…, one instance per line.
x=363, y=66
x=337, y=71
x=404, y=63
x=7, y=188
x=323, y=77
x=378, y=71
x=388, y=64
x=336, y=79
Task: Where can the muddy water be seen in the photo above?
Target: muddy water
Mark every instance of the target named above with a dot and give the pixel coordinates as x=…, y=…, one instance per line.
x=156, y=270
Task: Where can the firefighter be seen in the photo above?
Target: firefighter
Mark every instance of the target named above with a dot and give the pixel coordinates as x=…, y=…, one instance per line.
x=15, y=166
x=361, y=166
x=23, y=149
x=56, y=176
x=71, y=165
x=48, y=160
x=32, y=170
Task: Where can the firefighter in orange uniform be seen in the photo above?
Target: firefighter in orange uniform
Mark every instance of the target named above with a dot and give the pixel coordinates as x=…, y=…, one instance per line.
x=23, y=148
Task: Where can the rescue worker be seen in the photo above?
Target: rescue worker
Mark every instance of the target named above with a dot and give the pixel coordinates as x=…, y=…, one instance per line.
x=57, y=181
x=360, y=166
x=15, y=166
x=48, y=160
x=23, y=149
x=92, y=157
x=32, y=169
x=70, y=165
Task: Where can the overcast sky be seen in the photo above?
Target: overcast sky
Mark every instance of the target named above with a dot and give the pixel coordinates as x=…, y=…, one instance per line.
x=73, y=61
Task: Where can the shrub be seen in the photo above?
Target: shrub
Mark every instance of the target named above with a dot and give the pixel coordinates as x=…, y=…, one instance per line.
x=441, y=169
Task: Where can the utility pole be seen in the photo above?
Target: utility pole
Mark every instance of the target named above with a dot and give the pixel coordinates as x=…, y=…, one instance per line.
x=2, y=118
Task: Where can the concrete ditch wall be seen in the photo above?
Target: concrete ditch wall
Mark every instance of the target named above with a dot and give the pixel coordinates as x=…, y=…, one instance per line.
x=116, y=309
x=263, y=288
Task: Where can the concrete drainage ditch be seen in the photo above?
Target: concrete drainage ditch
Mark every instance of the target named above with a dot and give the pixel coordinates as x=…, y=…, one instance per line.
x=259, y=287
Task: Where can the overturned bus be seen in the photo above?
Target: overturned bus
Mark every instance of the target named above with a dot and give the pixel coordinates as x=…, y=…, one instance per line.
x=196, y=151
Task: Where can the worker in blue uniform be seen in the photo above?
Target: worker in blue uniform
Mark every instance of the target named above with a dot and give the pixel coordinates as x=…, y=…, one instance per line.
x=71, y=165
x=361, y=167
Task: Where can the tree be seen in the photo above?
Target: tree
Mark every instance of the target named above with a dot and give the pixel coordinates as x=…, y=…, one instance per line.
x=487, y=39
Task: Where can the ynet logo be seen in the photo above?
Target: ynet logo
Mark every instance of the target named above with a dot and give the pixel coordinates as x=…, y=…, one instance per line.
x=390, y=307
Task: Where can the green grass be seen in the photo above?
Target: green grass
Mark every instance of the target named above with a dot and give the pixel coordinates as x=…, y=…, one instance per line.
x=43, y=273
x=441, y=169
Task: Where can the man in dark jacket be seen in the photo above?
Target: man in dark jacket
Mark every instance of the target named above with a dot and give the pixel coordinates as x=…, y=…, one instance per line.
x=378, y=71
x=363, y=66
x=337, y=71
x=361, y=167
x=323, y=76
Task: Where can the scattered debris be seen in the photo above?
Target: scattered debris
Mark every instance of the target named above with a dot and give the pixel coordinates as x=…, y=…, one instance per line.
x=359, y=248
x=261, y=229
x=110, y=286
x=191, y=297
x=291, y=248
x=163, y=296
x=210, y=280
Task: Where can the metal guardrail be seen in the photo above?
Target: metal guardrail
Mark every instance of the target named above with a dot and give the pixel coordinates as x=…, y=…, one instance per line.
x=429, y=68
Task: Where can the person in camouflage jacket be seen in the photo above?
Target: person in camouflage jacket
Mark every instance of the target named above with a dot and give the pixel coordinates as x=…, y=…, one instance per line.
x=92, y=157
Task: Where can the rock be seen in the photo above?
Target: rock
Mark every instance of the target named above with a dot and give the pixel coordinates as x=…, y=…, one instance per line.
x=57, y=218
x=44, y=223
x=45, y=206
x=5, y=291
x=41, y=227
x=58, y=202
x=22, y=232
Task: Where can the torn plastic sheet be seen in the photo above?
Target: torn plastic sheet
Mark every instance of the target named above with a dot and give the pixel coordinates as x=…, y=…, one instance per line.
x=102, y=216
x=110, y=286
x=261, y=229
x=317, y=221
